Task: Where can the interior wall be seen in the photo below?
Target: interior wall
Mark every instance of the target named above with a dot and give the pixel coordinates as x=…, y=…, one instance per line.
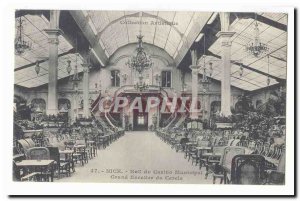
x=100, y=79
x=263, y=95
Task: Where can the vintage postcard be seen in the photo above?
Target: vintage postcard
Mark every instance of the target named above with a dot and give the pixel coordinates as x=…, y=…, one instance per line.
x=150, y=97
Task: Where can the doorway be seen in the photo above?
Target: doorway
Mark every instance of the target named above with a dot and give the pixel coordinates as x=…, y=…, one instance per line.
x=140, y=121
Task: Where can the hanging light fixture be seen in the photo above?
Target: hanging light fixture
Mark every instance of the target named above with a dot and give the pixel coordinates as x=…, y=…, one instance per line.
x=37, y=67
x=268, y=79
x=21, y=45
x=205, y=81
x=256, y=47
x=210, y=69
x=241, y=71
x=141, y=61
x=75, y=78
x=69, y=68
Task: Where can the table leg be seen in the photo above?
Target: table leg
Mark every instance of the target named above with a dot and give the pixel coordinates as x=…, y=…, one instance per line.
x=72, y=161
x=52, y=172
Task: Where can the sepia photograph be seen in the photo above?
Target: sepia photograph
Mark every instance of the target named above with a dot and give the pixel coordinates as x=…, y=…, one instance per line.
x=150, y=97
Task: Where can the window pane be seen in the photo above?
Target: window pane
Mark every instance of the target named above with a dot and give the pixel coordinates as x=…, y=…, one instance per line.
x=166, y=78
x=115, y=78
x=163, y=79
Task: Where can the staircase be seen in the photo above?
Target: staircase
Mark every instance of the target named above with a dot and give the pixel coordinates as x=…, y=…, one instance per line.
x=181, y=120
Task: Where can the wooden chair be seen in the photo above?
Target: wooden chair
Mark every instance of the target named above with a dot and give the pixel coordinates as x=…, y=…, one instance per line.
x=196, y=157
x=62, y=165
x=30, y=142
x=177, y=145
x=225, y=162
x=83, y=151
x=277, y=176
x=22, y=146
x=38, y=153
x=247, y=169
x=210, y=162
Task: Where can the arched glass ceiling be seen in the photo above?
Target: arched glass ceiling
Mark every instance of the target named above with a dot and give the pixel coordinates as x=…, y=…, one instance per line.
x=28, y=78
x=276, y=40
x=167, y=30
x=34, y=27
x=174, y=39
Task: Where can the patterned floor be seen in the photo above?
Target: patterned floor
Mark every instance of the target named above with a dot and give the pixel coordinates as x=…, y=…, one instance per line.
x=138, y=157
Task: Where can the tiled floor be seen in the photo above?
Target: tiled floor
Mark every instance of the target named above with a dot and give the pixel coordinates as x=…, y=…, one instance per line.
x=138, y=157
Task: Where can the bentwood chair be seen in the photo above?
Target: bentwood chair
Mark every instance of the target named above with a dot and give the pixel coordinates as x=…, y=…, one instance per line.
x=277, y=176
x=62, y=165
x=223, y=169
x=211, y=160
x=38, y=153
x=248, y=169
x=196, y=156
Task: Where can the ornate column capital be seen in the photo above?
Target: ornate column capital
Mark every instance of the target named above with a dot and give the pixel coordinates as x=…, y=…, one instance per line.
x=227, y=34
x=53, y=35
x=195, y=69
x=225, y=37
x=86, y=67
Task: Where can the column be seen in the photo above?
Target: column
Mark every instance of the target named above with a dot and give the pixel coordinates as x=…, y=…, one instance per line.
x=225, y=36
x=195, y=70
x=86, y=90
x=53, y=33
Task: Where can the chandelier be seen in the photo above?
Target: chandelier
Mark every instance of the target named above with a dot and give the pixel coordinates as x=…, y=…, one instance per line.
x=205, y=81
x=75, y=78
x=256, y=47
x=207, y=71
x=20, y=44
x=140, y=85
x=141, y=61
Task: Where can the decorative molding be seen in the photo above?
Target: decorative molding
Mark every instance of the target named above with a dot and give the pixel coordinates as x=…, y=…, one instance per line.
x=54, y=41
x=227, y=34
x=226, y=43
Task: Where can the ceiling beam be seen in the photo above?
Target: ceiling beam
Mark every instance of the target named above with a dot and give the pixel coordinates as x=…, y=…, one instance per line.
x=71, y=32
x=263, y=19
x=74, y=35
x=281, y=59
x=210, y=38
x=43, y=60
x=92, y=38
x=248, y=67
x=20, y=13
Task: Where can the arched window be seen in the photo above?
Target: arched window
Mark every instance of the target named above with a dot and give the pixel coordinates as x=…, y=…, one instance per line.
x=215, y=107
x=38, y=105
x=64, y=104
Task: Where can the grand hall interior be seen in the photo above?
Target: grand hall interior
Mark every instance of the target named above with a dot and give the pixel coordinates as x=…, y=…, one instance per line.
x=135, y=96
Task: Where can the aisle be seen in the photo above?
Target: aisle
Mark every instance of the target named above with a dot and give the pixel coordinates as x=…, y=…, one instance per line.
x=138, y=152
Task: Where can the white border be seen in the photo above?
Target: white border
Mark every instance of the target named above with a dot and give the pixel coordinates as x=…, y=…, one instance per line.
x=7, y=34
